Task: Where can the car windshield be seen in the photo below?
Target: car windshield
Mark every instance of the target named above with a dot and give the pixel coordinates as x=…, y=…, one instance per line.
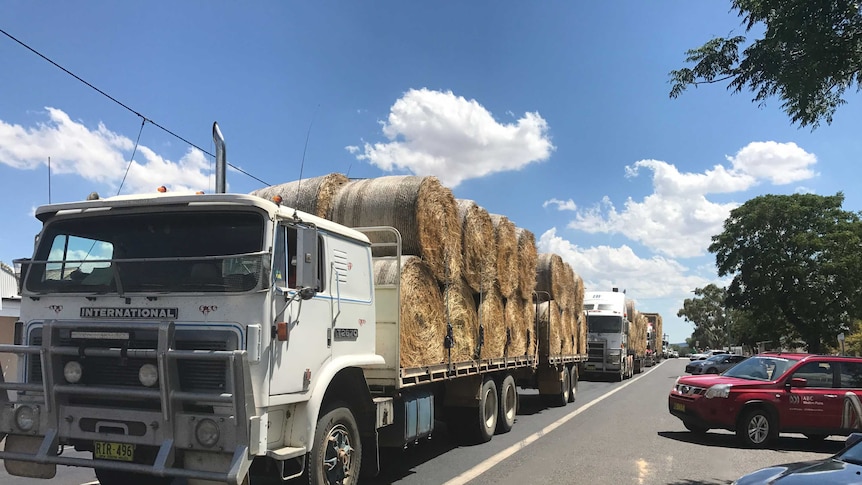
x=760, y=368
x=853, y=454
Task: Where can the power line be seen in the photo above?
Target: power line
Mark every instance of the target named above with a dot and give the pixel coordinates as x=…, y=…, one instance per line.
x=144, y=118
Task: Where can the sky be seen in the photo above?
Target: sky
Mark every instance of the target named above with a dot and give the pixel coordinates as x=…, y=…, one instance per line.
x=555, y=114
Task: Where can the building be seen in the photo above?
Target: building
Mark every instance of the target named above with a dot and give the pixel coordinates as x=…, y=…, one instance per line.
x=10, y=310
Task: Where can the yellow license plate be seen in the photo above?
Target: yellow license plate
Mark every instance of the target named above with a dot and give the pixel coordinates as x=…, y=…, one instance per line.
x=678, y=407
x=114, y=451
x=591, y=366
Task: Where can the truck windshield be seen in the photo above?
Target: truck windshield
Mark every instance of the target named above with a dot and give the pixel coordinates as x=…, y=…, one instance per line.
x=604, y=323
x=150, y=252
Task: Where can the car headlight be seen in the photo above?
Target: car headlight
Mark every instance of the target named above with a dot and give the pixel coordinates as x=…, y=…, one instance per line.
x=207, y=432
x=73, y=371
x=25, y=418
x=718, y=390
x=148, y=374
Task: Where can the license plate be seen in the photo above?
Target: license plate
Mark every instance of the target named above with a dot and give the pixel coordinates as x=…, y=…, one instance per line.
x=678, y=407
x=114, y=451
x=591, y=366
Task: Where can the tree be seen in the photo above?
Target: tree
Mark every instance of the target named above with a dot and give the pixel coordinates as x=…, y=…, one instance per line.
x=809, y=55
x=796, y=261
x=707, y=313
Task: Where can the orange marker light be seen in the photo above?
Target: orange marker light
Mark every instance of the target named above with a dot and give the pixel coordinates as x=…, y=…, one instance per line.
x=277, y=199
x=162, y=189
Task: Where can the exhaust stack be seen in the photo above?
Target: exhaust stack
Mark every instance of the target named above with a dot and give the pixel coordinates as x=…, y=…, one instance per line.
x=221, y=159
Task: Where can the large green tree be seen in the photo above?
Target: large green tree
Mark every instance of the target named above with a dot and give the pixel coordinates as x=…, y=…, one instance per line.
x=707, y=312
x=809, y=55
x=796, y=262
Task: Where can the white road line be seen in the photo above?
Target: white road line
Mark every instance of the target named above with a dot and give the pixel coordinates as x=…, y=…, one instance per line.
x=496, y=459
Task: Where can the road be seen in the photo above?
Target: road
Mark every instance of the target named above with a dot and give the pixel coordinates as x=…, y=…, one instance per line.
x=614, y=433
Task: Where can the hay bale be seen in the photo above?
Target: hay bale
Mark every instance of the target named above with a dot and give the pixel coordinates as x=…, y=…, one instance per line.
x=582, y=333
x=462, y=313
x=313, y=195
x=423, y=325
x=578, y=293
x=519, y=314
x=492, y=319
x=527, y=256
x=478, y=245
x=550, y=278
x=507, y=256
x=550, y=330
x=568, y=322
x=422, y=210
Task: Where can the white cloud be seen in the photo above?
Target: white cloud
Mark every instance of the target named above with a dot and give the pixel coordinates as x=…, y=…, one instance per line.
x=455, y=139
x=677, y=219
x=98, y=155
x=562, y=205
x=604, y=267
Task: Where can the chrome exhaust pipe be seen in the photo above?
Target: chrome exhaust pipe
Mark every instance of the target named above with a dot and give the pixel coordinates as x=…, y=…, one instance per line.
x=221, y=159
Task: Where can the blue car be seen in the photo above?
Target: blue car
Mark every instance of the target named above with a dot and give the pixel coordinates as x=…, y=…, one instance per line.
x=844, y=467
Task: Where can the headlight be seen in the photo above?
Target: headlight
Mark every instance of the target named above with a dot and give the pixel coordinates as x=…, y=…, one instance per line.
x=148, y=374
x=25, y=418
x=718, y=390
x=73, y=371
x=207, y=432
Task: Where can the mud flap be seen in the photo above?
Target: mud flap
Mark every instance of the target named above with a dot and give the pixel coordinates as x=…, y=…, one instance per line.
x=27, y=445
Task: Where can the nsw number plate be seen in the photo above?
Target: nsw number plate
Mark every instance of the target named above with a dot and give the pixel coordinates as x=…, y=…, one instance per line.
x=114, y=451
x=678, y=407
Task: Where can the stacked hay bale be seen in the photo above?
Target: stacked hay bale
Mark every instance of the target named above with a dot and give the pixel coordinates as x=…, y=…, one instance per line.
x=507, y=257
x=555, y=292
x=313, y=195
x=478, y=246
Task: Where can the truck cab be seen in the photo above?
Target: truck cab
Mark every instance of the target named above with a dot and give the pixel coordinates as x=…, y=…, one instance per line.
x=608, y=331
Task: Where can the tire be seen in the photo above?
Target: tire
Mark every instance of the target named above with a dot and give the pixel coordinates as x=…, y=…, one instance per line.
x=695, y=428
x=508, y=404
x=573, y=383
x=561, y=398
x=115, y=477
x=712, y=370
x=756, y=428
x=336, y=454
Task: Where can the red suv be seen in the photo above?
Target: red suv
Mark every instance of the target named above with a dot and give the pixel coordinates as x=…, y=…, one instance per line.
x=817, y=395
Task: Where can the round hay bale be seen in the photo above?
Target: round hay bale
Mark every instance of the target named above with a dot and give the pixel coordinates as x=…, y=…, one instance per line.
x=518, y=320
x=313, y=195
x=630, y=310
x=550, y=328
x=569, y=328
x=463, y=315
x=507, y=256
x=578, y=293
x=550, y=278
x=478, y=245
x=527, y=256
x=422, y=210
x=423, y=325
x=582, y=333
x=491, y=317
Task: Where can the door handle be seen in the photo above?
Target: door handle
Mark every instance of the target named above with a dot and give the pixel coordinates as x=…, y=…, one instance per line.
x=831, y=395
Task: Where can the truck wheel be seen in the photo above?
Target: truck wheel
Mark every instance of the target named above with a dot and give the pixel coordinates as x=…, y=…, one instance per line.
x=488, y=408
x=561, y=398
x=573, y=383
x=115, y=477
x=336, y=454
x=756, y=428
x=508, y=405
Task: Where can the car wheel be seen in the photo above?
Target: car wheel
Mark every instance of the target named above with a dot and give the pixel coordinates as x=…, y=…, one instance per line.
x=816, y=437
x=756, y=428
x=695, y=428
x=712, y=370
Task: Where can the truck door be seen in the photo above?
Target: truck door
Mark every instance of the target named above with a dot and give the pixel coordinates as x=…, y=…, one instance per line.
x=301, y=348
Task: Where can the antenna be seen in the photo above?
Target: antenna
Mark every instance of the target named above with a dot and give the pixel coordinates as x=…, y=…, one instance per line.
x=302, y=163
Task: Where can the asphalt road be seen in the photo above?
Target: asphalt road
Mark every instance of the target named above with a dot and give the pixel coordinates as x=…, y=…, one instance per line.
x=614, y=433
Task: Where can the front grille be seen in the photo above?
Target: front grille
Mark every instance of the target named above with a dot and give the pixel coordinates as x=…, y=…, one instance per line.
x=194, y=375
x=595, y=352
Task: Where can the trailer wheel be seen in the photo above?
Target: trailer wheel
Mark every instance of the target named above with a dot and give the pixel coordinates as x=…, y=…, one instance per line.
x=573, y=383
x=488, y=409
x=116, y=477
x=336, y=454
x=508, y=404
x=560, y=398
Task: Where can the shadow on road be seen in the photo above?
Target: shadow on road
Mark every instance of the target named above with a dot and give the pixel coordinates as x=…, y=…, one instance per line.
x=728, y=440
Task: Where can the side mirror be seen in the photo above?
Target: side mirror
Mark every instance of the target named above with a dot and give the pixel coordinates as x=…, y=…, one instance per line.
x=307, y=293
x=307, y=275
x=797, y=382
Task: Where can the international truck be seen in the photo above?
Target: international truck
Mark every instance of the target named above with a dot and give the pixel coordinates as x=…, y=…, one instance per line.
x=610, y=327
x=215, y=337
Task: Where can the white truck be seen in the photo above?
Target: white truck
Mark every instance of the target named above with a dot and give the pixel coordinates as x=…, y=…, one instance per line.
x=222, y=336
x=608, y=328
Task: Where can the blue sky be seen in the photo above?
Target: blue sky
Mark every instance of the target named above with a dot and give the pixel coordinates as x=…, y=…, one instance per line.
x=555, y=114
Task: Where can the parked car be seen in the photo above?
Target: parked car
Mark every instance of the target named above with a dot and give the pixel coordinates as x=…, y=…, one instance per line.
x=842, y=467
x=817, y=395
x=714, y=365
x=706, y=355
x=674, y=354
